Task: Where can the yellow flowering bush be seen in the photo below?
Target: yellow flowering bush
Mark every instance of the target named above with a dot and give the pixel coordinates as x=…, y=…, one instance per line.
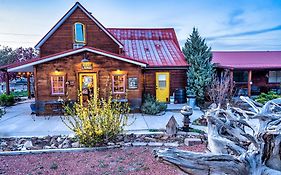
x=98, y=122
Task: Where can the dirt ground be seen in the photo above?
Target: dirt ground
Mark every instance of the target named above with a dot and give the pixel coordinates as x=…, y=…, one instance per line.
x=119, y=161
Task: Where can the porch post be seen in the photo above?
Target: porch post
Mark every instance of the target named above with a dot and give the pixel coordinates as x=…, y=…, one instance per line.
x=28, y=85
x=249, y=82
x=7, y=83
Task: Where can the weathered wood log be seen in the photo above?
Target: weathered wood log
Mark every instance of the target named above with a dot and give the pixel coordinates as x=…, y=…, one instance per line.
x=237, y=146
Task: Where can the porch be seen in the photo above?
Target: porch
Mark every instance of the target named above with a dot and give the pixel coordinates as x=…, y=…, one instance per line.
x=253, y=82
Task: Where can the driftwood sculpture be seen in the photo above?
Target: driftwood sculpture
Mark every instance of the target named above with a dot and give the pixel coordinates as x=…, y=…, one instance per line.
x=239, y=142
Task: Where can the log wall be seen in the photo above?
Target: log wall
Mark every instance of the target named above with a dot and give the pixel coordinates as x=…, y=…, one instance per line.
x=63, y=38
x=71, y=67
x=177, y=80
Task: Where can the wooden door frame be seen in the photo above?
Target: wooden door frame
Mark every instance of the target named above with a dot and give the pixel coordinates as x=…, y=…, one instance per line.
x=80, y=74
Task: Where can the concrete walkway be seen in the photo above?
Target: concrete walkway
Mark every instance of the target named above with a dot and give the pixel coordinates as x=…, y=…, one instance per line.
x=18, y=122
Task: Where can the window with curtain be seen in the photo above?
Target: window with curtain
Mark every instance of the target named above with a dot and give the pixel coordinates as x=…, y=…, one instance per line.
x=274, y=76
x=118, y=84
x=57, y=85
x=79, y=33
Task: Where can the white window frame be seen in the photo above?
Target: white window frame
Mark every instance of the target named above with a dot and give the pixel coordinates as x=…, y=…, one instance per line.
x=276, y=77
x=52, y=85
x=84, y=33
x=123, y=84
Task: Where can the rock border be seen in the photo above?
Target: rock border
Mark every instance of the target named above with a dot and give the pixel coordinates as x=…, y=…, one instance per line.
x=59, y=143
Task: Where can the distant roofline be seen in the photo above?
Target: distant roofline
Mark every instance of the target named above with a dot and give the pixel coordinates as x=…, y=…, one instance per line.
x=141, y=28
x=245, y=51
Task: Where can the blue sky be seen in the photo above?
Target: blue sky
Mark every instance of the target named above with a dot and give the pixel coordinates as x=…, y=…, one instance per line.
x=227, y=25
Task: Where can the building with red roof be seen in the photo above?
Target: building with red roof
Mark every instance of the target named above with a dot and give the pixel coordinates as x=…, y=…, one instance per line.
x=252, y=71
x=81, y=56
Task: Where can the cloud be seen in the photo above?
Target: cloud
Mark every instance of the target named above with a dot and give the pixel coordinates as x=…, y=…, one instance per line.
x=247, y=33
x=235, y=17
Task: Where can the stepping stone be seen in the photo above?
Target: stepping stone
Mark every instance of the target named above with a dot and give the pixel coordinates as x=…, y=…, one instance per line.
x=139, y=144
x=155, y=144
x=171, y=144
x=192, y=141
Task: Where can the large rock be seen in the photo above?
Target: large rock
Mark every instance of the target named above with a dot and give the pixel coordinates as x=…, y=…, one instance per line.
x=3, y=144
x=172, y=126
x=75, y=145
x=47, y=147
x=66, y=143
x=21, y=141
x=28, y=144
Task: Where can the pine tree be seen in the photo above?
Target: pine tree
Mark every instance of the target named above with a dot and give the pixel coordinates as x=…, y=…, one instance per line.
x=200, y=71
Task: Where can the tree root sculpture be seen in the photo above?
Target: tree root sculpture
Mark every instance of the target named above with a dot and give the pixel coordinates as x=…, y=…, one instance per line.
x=235, y=144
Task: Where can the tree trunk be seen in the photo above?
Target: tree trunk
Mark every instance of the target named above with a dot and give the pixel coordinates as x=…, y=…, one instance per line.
x=236, y=146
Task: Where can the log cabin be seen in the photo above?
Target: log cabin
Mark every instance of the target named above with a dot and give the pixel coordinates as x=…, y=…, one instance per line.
x=80, y=57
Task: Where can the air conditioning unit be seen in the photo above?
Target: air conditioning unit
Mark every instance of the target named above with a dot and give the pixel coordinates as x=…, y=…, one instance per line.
x=78, y=45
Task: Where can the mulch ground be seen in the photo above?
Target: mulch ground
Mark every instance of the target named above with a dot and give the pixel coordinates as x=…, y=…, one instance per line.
x=126, y=160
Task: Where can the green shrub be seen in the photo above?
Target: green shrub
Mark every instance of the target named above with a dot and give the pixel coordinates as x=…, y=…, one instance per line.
x=7, y=100
x=152, y=106
x=98, y=122
x=265, y=97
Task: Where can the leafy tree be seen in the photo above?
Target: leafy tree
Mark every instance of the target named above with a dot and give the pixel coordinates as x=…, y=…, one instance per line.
x=200, y=71
x=9, y=55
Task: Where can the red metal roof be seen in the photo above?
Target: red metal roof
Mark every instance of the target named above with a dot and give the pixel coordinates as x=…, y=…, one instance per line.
x=156, y=47
x=247, y=59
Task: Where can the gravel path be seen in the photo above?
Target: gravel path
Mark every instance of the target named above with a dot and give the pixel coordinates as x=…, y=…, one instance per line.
x=126, y=160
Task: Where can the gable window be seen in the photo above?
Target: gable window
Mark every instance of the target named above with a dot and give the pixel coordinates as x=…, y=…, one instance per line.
x=118, y=83
x=274, y=76
x=57, y=85
x=79, y=33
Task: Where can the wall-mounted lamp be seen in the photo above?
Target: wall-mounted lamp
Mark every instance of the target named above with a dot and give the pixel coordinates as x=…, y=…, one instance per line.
x=57, y=70
x=85, y=59
x=85, y=63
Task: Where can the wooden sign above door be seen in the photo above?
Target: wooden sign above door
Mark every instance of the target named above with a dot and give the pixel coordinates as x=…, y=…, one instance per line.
x=87, y=66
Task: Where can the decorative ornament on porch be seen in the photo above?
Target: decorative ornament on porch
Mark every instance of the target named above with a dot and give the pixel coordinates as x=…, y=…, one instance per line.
x=236, y=146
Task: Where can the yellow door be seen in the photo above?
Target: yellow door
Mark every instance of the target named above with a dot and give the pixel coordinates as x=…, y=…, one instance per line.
x=87, y=86
x=162, y=86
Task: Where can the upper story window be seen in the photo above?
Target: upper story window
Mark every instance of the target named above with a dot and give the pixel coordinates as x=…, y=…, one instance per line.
x=274, y=76
x=79, y=33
